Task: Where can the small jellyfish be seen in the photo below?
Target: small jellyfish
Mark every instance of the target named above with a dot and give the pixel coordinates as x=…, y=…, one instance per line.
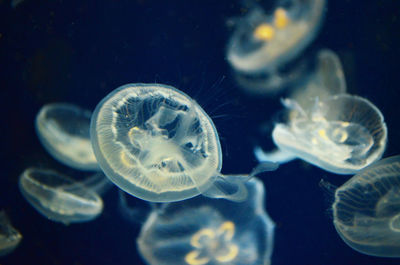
x=9, y=236
x=341, y=134
x=156, y=143
x=366, y=210
x=203, y=231
x=60, y=198
x=264, y=43
x=63, y=129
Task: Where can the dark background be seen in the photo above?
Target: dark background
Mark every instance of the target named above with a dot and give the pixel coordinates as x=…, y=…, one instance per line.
x=79, y=51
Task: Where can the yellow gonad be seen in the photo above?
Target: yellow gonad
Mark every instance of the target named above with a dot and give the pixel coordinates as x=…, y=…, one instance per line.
x=264, y=32
x=267, y=32
x=281, y=19
x=216, y=241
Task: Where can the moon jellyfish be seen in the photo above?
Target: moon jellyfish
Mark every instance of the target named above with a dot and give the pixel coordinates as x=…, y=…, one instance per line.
x=63, y=129
x=62, y=199
x=341, y=134
x=9, y=236
x=156, y=143
x=206, y=231
x=264, y=43
x=366, y=210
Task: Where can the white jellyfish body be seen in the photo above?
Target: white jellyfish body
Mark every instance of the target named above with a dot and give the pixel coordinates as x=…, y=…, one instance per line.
x=366, y=210
x=264, y=43
x=9, y=236
x=63, y=129
x=156, y=143
x=206, y=231
x=60, y=198
x=341, y=134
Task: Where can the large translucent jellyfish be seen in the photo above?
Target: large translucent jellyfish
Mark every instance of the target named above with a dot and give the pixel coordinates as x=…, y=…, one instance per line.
x=203, y=231
x=62, y=199
x=9, y=236
x=341, y=134
x=263, y=43
x=63, y=129
x=366, y=210
x=156, y=143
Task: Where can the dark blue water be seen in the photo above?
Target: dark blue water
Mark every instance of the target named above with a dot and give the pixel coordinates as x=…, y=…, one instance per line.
x=78, y=51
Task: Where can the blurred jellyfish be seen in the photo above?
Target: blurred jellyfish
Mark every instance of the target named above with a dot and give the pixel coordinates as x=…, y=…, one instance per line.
x=366, y=210
x=62, y=199
x=262, y=44
x=9, y=236
x=63, y=129
x=206, y=231
x=326, y=80
x=156, y=143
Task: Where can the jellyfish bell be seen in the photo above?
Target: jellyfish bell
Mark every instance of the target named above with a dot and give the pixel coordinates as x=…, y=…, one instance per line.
x=60, y=198
x=342, y=134
x=156, y=143
x=366, y=210
x=63, y=130
x=206, y=231
x=9, y=236
x=264, y=42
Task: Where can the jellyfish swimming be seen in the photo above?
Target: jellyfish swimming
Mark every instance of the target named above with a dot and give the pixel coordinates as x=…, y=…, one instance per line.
x=62, y=199
x=366, y=210
x=9, y=236
x=63, y=129
x=156, y=143
x=263, y=43
x=341, y=134
x=206, y=231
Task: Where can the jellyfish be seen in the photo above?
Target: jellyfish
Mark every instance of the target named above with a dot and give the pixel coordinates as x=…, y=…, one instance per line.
x=63, y=130
x=62, y=199
x=366, y=210
x=205, y=231
x=263, y=43
x=156, y=143
x=341, y=134
x=9, y=236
